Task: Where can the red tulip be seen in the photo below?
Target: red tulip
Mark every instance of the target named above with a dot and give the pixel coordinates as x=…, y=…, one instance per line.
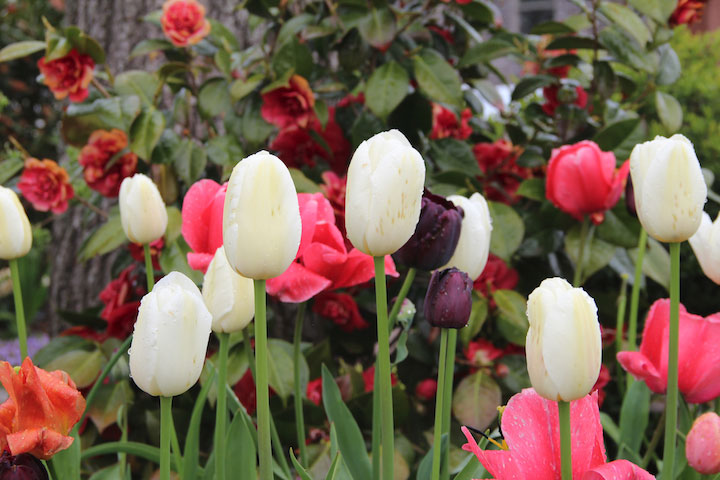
x=699, y=370
x=532, y=433
x=582, y=180
x=202, y=217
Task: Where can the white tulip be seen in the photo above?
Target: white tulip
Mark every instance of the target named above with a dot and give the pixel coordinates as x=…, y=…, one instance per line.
x=170, y=337
x=473, y=247
x=261, y=217
x=706, y=245
x=15, y=232
x=142, y=210
x=228, y=295
x=563, y=345
x=669, y=188
x=384, y=193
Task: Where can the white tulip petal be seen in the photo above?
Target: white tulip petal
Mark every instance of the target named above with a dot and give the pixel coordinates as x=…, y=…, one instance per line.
x=473, y=246
x=142, y=210
x=15, y=231
x=229, y=296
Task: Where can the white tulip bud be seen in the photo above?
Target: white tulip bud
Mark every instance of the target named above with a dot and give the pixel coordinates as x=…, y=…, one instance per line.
x=261, y=217
x=706, y=245
x=15, y=232
x=142, y=210
x=384, y=193
x=473, y=247
x=229, y=296
x=563, y=345
x=170, y=337
x=669, y=188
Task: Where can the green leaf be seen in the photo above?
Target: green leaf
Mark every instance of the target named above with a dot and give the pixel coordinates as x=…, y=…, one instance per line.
x=551, y=27
x=454, y=155
x=626, y=50
x=656, y=263
x=105, y=239
x=304, y=475
x=350, y=439
x=610, y=428
x=80, y=120
x=281, y=367
x=66, y=463
x=242, y=88
x=224, y=150
x=83, y=366
x=294, y=26
x=572, y=42
x=190, y=160
x=619, y=228
x=670, y=68
x=511, y=315
x=425, y=467
x=292, y=56
x=530, y=84
x=108, y=400
x=478, y=315
x=596, y=254
x=222, y=36
x=20, y=49
x=84, y=43
x=174, y=258
x=486, y=51
x=133, y=448
x=334, y=467
x=613, y=135
x=386, y=88
x=437, y=78
x=322, y=112
x=214, y=97
x=634, y=415
x=532, y=188
x=476, y=399
x=658, y=10
x=240, y=454
x=669, y=111
x=472, y=469
x=192, y=438
x=254, y=128
x=145, y=132
x=628, y=20
x=9, y=167
x=302, y=183
x=150, y=45
x=378, y=27
x=508, y=230
x=137, y=82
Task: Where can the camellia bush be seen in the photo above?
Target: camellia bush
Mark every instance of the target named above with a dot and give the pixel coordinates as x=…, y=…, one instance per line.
x=341, y=252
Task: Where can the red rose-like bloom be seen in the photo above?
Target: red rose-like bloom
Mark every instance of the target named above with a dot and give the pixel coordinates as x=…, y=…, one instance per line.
x=426, y=389
x=369, y=379
x=46, y=185
x=184, y=22
x=446, y=125
x=334, y=187
x=102, y=147
x=245, y=391
x=69, y=75
x=314, y=391
x=502, y=175
x=341, y=309
x=41, y=409
x=202, y=217
x=482, y=352
x=292, y=104
x=496, y=276
x=603, y=379
x=122, y=300
x=137, y=251
x=687, y=12
x=552, y=102
x=699, y=349
x=582, y=180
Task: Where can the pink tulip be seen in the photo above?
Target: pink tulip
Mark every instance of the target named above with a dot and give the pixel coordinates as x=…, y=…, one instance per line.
x=702, y=446
x=532, y=433
x=699, y=370
x=202, y=217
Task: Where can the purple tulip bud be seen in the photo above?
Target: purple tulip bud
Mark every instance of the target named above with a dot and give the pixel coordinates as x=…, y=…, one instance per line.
x=448, y=301
x=630, y=197
x=436, y=234
x=21, y=467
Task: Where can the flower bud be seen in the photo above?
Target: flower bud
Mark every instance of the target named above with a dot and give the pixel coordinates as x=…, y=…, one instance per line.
x=702, y=446
x=21, y=467
x=563, y=344
x=228, y=295
x=170, y=338
x=15, y=233
x=436, y=234
x=384, y=191
x=142, y=211
x=706, y=245
x=261, y=217
x=448, y=301
x=669, y=188
x=471, y=253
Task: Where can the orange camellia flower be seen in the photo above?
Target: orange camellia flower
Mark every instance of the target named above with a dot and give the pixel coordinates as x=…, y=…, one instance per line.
x=292, y=104
x=46, y=185
x=102, y=171
x=69, y=75
x=42, y=408
x=184, y=22
x=687, y=11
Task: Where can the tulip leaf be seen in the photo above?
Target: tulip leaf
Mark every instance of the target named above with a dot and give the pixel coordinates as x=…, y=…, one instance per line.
x=137, y=82
x=20, y=49
x=634, y=415
x=656, y=263
x=280, y=368
x=83, y=366
x=66, y=463
x=669, y=111
x=597, y=253
x=478, y=315
x=304, y=475
x=437, y=78
x=240, y=454
x=472, y=468
x=511, y=317
x=476, y=399
x=610, y=428
x=145, y=132
x=192, y=438
x=108, y=400
x=214, y=97
x=386, y=88
x=508, y=230
x=425, y=467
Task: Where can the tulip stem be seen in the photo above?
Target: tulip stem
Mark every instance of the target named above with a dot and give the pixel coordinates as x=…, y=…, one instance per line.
x=221, y=407
x=565, y=440
x=635, y=295
x=19, y=309
x=165, y=426
x=672, y=382
x=620, y=320
x=447, y=398
x=584, y=229
x=387, y=426
x=299, y=418
x=149, y=271
x=439, y=401
x=261, y=382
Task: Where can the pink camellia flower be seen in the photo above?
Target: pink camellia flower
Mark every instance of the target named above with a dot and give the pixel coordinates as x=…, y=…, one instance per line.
x=699, y=370
x=702, y=445
x=202, y=217
x=531, y=428
x=582, y=180
x=184, y=22
x=68, y=76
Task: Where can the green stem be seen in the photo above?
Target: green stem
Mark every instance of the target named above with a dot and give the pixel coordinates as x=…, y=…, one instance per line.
x=439, y=400
x=299, y=417
x=261, y=383
x=447, y=398
x=672, y=378
x=383, y=361
x=620, y=323
x=149, y=271
x=165, y=427
x=404, y=289
x=19, y=309
x=654, y=440
x=565, y=441
x=584, y=228
x=635, y=295
x=176, y=452
x=221, y=407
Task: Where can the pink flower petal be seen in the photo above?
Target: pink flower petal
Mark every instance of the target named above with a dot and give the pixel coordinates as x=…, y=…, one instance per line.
x=194, y=211
x=498, y=462
x=617, y=470
x=297, y=284
x=199, y=261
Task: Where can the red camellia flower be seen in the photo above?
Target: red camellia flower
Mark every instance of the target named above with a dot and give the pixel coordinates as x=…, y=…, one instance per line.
x=687, y=12
x=103, y=169
x=426, y=389
x=582, y=180
x=184, y=22
x=603, y=379
x=137, y=251
x=292, y=104
x=68, y=76
x=482, y=352
x=246, y=393
x=314, y=391
x=41, y=409
x=445, y=123
x=122, y=300
x=46, y=185
x=333, y=187
x=552, y=101
x=496, y=276
x=699, y=370
x=369, y=379
x=341, y=309
x=202, y=217
x=502, y=175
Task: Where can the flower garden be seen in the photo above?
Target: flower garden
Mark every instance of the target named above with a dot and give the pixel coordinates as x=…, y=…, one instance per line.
x=361, y=240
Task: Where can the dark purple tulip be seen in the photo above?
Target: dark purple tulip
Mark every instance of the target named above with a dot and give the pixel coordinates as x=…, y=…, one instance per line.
x=21, y=467
x=630, y=197
x=448, y=301
x=436, y=235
